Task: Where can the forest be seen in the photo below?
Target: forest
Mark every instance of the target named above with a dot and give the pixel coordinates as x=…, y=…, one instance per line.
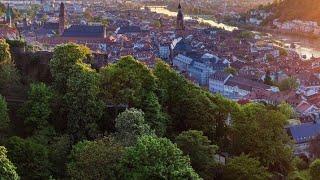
x=129, y=121
x=287, y=10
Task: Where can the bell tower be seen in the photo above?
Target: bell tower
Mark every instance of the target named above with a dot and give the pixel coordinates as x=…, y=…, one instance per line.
x=62, y=19
x=180, y=18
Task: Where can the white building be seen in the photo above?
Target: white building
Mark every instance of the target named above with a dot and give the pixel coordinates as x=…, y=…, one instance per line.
x=235, y=87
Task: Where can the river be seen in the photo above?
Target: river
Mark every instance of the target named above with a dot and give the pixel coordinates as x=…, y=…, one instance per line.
x=304, y=46
x=164, y=10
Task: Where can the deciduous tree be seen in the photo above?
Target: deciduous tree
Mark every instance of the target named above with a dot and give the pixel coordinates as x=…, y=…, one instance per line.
x=288, y=84
x=82, y=106
x=99, y=159
x=156, y=158
x=245, y=168
x=201, y=152
x=259, y=132
x=30, y=158
x=287, y=110
x=7, y=168
x=315, y=169
x=131, y=83
x=59, y=149
x=64, y=58
x=188, y=106
x=9, y=78
x=5, y=55
x=130, y=125
x=36, y=111
x=4, y=118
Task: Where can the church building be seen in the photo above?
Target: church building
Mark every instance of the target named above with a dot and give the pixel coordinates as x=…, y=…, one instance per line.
x=180, y=19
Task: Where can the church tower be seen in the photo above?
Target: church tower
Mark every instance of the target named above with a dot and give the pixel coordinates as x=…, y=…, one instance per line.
x=62, y=19
x=180, y=20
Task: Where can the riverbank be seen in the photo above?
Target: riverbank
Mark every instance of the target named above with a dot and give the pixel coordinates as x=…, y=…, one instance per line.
x=209, y=21
x=307, y=45
x=282, y=32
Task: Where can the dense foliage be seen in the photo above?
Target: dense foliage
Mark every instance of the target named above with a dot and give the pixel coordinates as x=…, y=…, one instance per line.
x=7, y=169
x=286, y=10
x=201, y=152
x=30, y=158
x=130, y=125
x=132, y=84
x=127, y=121
x=259, y=132
x=5, y=56
x=97, y=159
x=156, y=158
x=315, y=169
x=4, y=118
x=37, y=110
x=245, y=168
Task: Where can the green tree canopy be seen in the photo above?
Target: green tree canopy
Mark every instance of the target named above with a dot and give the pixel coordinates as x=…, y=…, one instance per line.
x=7, y=168
x=224, y=114
x=200, y=150
x=130, y=125
x=5, y=55
x=288, y=84
x=156, y=158
x=64, y=58
x=268, y=79
x=287, y=110
x=154, y=115
x=131, y=83
x=299, y=175
x=127, y=82
x=230, y=70
x=83, y=108
x=37, y=110
x=188, y=106
x=59, y=149
x=245, y=168
x=9, y=78
x=30, y=158
x=315, y=169
x=2, y=9
x=8, y=73
x=99, y=159
x=259, y=132
x=4, y=117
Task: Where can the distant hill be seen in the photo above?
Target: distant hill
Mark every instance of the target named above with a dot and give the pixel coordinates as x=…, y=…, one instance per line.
x=307, y=10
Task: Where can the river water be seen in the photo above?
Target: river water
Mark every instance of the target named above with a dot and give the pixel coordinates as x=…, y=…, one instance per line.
x=164, y=10
x=304, y=46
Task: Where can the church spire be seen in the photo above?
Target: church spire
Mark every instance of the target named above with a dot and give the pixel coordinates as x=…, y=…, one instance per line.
x=62, y=19
x=180, y=20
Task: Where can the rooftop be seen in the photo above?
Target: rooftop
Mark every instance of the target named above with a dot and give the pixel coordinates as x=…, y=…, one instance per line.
x=304, y=132
x=85, y=31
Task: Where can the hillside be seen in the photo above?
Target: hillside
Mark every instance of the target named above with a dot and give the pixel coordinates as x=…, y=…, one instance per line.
x=129, y=121
x=308, y=10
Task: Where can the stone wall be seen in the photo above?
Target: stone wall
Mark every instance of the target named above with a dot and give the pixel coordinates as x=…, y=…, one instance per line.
x=35, y=65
